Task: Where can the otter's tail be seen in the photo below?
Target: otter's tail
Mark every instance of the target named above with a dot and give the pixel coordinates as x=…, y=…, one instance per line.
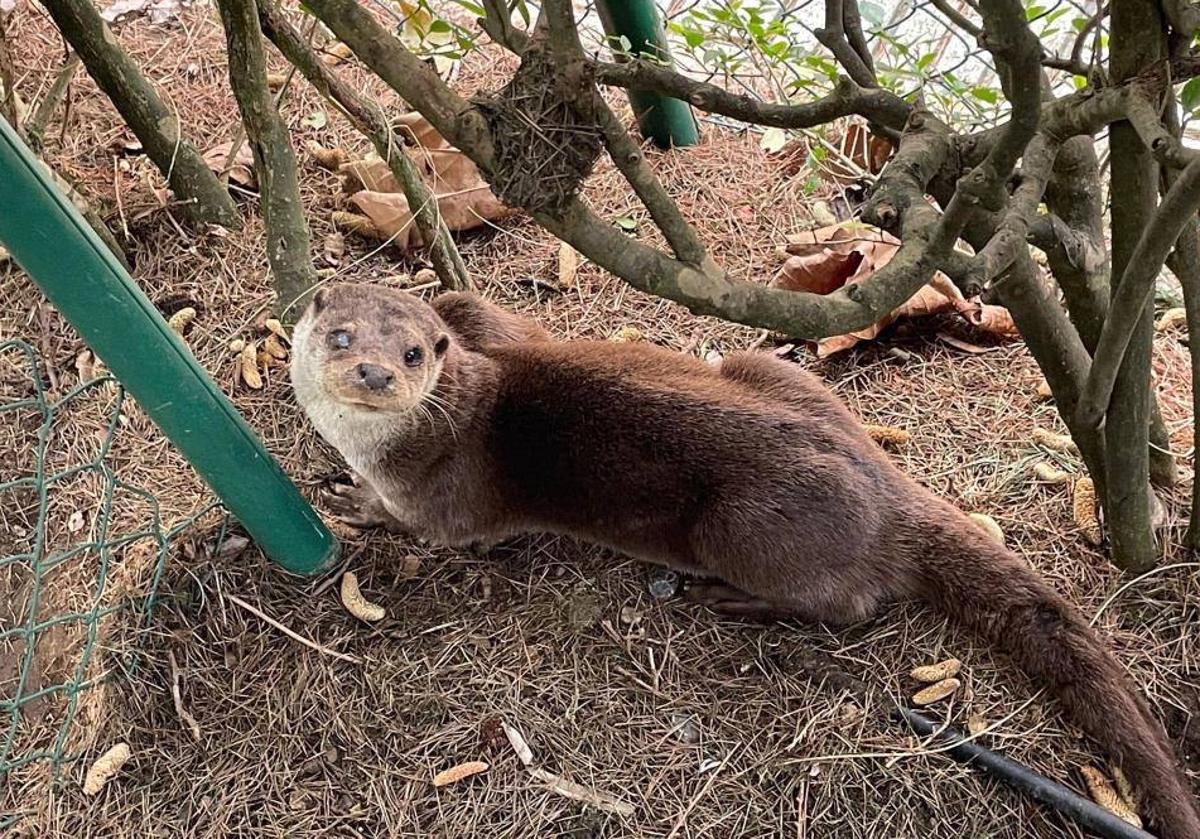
x=992, y=591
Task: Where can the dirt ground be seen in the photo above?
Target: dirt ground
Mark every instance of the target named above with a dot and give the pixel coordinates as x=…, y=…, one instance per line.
x=706, y=726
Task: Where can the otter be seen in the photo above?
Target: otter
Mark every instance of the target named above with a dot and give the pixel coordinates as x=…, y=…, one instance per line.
x=466, y=424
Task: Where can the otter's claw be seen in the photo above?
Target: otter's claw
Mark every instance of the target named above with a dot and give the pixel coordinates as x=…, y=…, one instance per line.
x=357, y=505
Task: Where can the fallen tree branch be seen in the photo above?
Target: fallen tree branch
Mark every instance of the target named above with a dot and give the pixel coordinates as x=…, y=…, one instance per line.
x=203, y=197
x=288, y=239
x=368, y=117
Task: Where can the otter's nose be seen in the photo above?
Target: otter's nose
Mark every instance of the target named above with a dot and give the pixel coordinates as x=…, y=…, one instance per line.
x=374, y=377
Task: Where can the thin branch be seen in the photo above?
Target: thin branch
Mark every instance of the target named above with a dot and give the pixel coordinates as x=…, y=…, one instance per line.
x=1137, y=288
x=368, y=117
x=203, y=197
x=295, y=636
x=623, y=150
x=35, y=127
x=11, y=110
x=852, y=23
x=833, y=36
x=958, y=18
x=1184, y=263
x=288, y=238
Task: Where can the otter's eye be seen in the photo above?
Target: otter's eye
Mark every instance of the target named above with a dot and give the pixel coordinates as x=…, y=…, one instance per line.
x=413, y=357
x=339, y=339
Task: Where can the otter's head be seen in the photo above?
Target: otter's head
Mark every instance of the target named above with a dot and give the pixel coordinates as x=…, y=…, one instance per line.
x=368, y=349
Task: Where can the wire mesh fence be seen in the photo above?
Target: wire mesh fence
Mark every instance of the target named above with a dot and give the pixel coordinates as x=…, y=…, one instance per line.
x=71, y=533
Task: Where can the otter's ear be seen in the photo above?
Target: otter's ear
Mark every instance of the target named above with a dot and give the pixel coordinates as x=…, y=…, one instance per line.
x=443, y=343
x=318, y=301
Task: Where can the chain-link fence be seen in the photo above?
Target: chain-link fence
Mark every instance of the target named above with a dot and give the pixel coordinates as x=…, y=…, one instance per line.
x=77, y=544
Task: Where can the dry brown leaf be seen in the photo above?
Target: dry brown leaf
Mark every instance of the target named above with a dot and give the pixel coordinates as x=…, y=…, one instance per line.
x=457, y=773
x=359, y=606
x=276, y=80
x=248, y=366
x=331, y=159
x=933, y=673
x=1048, y=473
x=568, y=265
x=1170, y=319
x=273, y=348
x=936, y=692
x=976, y=724
x=335, y=54
x=828, y=258
x=355, y=223
x=241, y=170
x=105, y=768
x=464, y=199
x=888, y=434
x=463, y=210
x=76, y=521
x=989, y=526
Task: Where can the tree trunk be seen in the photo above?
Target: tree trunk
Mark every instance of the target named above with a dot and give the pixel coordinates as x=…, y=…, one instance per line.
x=288, y=241
x=1083, y=271
x=1138, y=40
x=203, y=197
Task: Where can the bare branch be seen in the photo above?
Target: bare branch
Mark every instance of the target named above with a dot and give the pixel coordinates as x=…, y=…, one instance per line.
x=368, y=117
x=156, y=125
x=958, y=18
x=1184, y=263
x=624, y=152
x=274, y=161
x=833, y=36
x=35, y=128
x=704, y=290
x=1136, y=288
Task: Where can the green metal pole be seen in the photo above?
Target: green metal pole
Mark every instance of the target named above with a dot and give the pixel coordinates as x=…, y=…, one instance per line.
x=50, y=240
x=668, y=122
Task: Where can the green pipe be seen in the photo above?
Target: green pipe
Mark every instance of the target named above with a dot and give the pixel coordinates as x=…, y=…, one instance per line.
x=48, y=238
x=668, y=122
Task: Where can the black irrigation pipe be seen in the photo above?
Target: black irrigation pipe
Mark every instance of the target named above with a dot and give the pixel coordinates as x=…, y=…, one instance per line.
x=1051, y=793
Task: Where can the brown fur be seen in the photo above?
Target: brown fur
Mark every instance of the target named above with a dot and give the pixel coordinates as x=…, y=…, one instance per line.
x=752, y=473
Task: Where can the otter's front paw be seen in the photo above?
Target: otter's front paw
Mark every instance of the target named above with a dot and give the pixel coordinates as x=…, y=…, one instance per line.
x=358, y=505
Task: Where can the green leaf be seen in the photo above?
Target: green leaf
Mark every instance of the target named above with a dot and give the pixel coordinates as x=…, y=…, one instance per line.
x=986, y=94
x=1079, y=23
x=626, y=44
x=1034, y=11
x=1189, y=97
x=474, y=9
x=925, y=60
x=439, y=26
x=773, y=139
x=316, y=119
x=1080, y=82
x=872, y=13
x=626, y=223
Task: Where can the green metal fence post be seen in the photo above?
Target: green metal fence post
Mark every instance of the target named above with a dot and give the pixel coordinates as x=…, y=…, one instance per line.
x=50, y=240
x=667, y=121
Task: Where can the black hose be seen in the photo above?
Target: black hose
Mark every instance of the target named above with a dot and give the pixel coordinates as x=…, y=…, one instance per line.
x=1084, y=812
